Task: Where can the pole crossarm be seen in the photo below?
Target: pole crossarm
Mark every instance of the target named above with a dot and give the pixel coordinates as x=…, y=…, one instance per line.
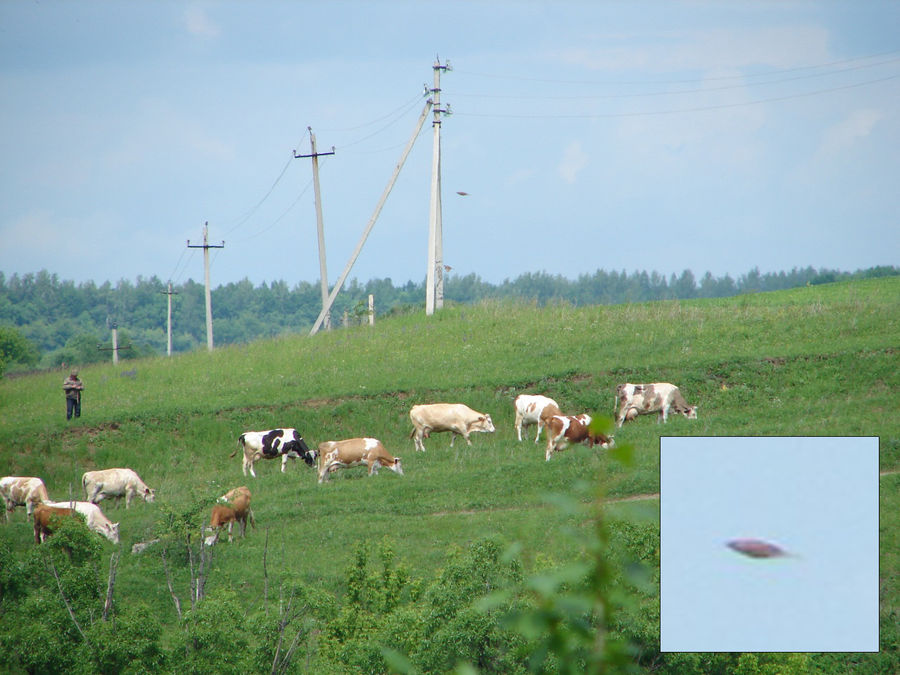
x=340, y=282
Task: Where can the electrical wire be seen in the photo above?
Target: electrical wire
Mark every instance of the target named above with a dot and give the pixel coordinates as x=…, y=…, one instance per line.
x=675, y=111
x=829, y=64
x=702, y=90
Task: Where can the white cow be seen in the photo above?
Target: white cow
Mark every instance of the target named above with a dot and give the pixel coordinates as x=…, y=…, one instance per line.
x=456, y=418
x=643, y=399
x=93, y=518
x=534, y=409
x=26, y=491
x=354, y=452
x=99, y=485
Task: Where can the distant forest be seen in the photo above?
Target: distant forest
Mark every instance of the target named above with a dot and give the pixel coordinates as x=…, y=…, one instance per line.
x=46, y=321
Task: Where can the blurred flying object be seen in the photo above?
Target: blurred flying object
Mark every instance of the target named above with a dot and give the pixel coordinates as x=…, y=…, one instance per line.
x=756, y=548
x=464, y=194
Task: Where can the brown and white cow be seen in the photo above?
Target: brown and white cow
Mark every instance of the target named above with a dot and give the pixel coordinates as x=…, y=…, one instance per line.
x=273, y=443
x=232, y=507
x=42, y=517
x=93, y=518
x=565, y=429
x=27, y=491
x=117, y=483
x=457, y=418
x=534, y=409
x=355, y=452
x=643, y=399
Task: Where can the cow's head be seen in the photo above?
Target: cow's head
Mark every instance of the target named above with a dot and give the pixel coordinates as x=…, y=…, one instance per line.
x=307, y=455
x=690, y=412
x=149, y=495
x=111, y=532
x=483, y=423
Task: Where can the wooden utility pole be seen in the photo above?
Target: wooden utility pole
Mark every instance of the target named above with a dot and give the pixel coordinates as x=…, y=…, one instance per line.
x=323, y=272
x=206, y=246
x=169, y=293
x=434, y=282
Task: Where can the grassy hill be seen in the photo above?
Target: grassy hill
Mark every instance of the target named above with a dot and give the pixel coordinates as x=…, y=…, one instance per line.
x=811, y=361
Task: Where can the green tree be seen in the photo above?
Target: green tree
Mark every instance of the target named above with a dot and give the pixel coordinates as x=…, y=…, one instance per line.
x=16, y=348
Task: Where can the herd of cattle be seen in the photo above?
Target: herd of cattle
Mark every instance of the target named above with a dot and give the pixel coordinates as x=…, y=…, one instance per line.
x=632, y=400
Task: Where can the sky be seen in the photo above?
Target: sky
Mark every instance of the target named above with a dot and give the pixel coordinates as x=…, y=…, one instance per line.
x=648, y=135
x=815, y=497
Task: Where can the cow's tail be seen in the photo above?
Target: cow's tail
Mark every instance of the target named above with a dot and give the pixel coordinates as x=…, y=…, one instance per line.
x=240, y=445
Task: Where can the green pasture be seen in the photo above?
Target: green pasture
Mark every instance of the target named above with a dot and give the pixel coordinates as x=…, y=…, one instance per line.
x=812, y=361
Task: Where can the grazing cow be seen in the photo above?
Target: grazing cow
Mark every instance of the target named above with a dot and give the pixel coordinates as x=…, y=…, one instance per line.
x=457, y=418
x=643, y=399
x=270, y=444
x=22, y=490
x=354, y=452
x=43, y=514
x=232, y=507
x=93, y=518
x=563, y=429
x=534, y=409
x=99, y=485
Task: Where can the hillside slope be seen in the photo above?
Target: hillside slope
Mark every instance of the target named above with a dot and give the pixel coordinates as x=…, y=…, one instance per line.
x=812, y=361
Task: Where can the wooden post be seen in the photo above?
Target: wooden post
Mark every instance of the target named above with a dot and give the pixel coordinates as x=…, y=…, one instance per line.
x=371, y=309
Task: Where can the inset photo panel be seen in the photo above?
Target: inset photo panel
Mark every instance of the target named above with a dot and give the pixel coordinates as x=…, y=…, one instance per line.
x=769, y=544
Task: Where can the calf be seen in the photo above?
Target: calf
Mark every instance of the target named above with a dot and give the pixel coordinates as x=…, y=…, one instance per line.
x=271, y=444
x=457, y=418
x=232, y=507
x=534, y=409
x=354, y=452
x=643, y=399
x=118, y=483
x=26, y=491
x=93, y=518
x=43, y=514
x=562, y=430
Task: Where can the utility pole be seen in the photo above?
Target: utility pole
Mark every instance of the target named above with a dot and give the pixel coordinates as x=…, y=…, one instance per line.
x=323, y=273
x=114, y=326
x=434, y=283
x=206, y=246
x=169, y=293
x=368, y=229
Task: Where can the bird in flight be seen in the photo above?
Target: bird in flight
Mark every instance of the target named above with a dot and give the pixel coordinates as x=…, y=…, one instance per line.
x=756, y=548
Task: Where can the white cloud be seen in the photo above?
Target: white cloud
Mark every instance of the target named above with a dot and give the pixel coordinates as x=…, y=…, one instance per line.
x=845, y=134
x=198, y=23
x=573, y=161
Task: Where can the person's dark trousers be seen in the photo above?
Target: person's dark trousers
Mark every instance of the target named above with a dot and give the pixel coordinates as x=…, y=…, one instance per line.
x=73, y=405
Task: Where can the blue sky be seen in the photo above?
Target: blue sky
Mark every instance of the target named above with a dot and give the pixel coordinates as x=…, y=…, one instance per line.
x=817, y=498
x=648, y=135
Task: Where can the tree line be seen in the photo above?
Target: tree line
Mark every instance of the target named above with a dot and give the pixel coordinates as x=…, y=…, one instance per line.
x=46, y=321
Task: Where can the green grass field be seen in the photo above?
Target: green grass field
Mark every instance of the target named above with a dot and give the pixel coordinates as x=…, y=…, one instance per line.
x=810, y=361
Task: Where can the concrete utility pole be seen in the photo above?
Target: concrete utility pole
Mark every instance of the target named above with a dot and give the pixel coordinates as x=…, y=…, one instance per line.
x=323, y=273
x=114, y=326
x=434, y=282
x=206, y=246
x=169, y=293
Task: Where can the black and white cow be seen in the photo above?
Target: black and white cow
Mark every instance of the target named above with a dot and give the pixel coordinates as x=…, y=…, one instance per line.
x=273, y=443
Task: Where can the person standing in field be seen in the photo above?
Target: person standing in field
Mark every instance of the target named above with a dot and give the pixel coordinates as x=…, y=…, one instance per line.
x=73, y=387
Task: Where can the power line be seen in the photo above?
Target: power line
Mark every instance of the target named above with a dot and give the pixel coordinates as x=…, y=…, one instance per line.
x=702, y=90
x=829, y=64
x=676, y=111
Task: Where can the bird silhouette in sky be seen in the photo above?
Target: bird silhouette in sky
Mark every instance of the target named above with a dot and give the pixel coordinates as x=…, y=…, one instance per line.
x=464, y=194
x=756, y=548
